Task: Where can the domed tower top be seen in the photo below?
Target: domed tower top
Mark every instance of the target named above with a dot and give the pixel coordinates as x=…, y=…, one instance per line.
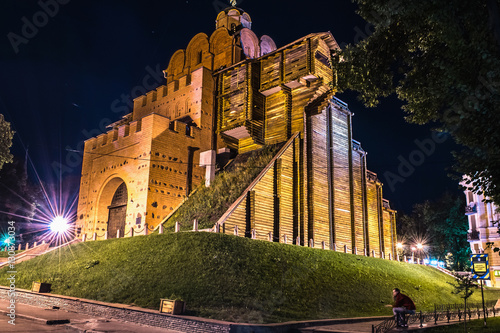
x=233, y=19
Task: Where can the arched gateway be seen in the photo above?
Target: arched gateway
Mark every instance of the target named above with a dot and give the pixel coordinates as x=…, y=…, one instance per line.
x=118, y=211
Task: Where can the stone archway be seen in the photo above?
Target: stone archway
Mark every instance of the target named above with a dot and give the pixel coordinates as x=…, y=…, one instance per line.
x=118, y=211
x=112, y=207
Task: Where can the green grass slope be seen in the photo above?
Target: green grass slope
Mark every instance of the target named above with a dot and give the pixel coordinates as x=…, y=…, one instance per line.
x=233, y=278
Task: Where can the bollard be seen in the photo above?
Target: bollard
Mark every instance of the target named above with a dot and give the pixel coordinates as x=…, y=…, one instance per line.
x=217, y=228
x=345, y=248
x=356, y=250
x=366, y=252
x=161, y=229
x=178, y=227
x=34, y=245
x=270, y=236
x=195, y=225
x=297, y=242
x=334, y=247
x=27, y=246
x=373, y=253
x=106, y=235
x=94, y=236
x=118, y=233
x=284, y=238
x=390, y=256
x=254, y=234
x=323, y=245
x=146, y=229
x=84, y=237
x=382, y=255
x=19, y=247
x=236, y=230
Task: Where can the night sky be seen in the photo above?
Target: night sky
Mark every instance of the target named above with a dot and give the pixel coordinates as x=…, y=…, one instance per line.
x=63, y=81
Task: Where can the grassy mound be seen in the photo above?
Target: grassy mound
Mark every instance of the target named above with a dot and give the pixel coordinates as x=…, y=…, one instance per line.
x=237, y=279
x=208, y=204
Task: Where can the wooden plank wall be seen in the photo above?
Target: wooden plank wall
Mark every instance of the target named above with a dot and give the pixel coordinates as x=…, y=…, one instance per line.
x=340, y=168
x=389, y=232
x=358, y=204
x=275, y=123
x=287, y=195
x=317, y=178
x=269, y=206
x=373, y=218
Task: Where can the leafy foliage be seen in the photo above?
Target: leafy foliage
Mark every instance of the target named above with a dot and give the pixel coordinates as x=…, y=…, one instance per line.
x=6, y=135
x=208, y=204
x=442, y=58
x=442, y=226
x=18, y=200
x=464, y=286
x=235, y=278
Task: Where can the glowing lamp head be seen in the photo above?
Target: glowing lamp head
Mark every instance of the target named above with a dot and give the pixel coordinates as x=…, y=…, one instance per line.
x=399, y=245
x=59, y=225
x=7, y=240
x=420, y=246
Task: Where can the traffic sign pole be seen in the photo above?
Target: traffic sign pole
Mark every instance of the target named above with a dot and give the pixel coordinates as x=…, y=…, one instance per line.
x=484, y=309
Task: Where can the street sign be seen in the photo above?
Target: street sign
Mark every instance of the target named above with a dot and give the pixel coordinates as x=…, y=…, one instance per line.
x=480, y=266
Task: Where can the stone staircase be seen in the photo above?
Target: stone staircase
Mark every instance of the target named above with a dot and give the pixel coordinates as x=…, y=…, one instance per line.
x=35, y=252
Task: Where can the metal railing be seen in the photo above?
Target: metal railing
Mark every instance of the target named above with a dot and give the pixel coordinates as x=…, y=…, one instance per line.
x=443, y=313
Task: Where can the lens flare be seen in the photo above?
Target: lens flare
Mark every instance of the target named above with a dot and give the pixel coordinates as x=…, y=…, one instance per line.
x=59, y=225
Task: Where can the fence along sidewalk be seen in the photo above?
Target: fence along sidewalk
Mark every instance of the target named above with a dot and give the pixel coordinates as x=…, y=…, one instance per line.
x=442, y=314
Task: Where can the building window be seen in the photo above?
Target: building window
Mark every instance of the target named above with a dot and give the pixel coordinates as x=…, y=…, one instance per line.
x=470, y=197
x=138, y=219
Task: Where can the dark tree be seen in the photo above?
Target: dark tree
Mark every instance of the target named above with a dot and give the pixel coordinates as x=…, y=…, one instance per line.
x=442, y=226
x=442, y=58
x=18, y=199
x=6, y=135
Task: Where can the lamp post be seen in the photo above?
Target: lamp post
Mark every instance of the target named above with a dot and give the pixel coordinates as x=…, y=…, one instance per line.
x=419, y=249
x=399, y=249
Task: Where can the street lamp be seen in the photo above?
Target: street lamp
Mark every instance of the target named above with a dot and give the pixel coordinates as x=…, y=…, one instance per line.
x=399, y=249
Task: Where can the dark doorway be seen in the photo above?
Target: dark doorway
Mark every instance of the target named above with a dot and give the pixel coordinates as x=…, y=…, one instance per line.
x=118, y=212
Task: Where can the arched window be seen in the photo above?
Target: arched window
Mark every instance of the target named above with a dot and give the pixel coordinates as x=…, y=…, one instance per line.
x=177, y=110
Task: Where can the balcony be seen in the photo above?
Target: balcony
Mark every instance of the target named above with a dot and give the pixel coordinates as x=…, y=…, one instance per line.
x=471, y=209
x=473, y=235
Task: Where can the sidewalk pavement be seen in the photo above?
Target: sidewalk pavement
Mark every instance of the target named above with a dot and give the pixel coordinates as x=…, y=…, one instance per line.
x=77, y=321
x=85, y=323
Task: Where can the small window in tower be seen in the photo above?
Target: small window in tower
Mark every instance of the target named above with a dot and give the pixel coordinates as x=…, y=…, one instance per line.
x=199, y=57
x=138, y=219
